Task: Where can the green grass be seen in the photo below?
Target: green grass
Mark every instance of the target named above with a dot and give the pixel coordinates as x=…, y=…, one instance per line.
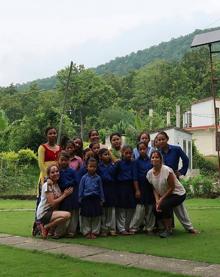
x=203, y=247
x=16, y=204
x=19, y=262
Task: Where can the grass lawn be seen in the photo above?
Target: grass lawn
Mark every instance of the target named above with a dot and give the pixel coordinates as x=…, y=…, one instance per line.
x=16, y=204
x=205, y=214
x=19, y=262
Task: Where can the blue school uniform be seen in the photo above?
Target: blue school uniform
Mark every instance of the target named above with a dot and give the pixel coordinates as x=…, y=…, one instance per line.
x=124, y=184
x=68, y=179
x=172, y=157
x=107, y=174
x=141, y=167
x=90, y=195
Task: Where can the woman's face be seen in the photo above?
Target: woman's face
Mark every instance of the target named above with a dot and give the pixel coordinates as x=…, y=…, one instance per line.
x=161, y=141
x=127, y=154
x=96, y=148
x=70, y=148
x=116, y=142
x=155, y=159
x=144, y=138
x=54, y=174
x=94, y=137
x=52, y=135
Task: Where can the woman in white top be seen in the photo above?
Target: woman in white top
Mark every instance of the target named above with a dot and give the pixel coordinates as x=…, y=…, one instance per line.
x=168, y=191
x=47, y=214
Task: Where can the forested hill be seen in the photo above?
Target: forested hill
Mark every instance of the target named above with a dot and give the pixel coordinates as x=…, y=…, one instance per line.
x=169, y=51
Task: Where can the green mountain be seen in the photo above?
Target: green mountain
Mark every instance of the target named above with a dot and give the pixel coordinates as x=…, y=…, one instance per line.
x=171, y=50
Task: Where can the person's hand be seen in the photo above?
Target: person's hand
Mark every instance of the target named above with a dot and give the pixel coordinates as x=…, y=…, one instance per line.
x=137, y=194
x=49, y=182
x=68, y=191
x=158, y=205
x=178, y=174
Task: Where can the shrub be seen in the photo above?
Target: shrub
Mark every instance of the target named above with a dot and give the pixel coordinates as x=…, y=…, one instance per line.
x=27, y=156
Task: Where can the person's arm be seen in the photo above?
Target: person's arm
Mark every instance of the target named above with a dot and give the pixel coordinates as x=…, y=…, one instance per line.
x=41, y=159
x=171, y=186
x=54, y=202
x=185, y=162
x=81, y=188
x=101, y=190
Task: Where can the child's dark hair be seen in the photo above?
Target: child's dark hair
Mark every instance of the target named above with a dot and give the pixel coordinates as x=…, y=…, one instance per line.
x=92, y=144
x=143, y=133
x=91, y=160
x=102, y=151
x=48, y=129
x=70, y=142
x=163, y=134
x=64, y=154
x=115, y=134
x=91, y=131
x=125, y=147
x=140, y=143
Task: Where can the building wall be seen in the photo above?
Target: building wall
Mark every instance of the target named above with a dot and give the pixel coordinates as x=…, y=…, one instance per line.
x=205, y=141
x=203, y=113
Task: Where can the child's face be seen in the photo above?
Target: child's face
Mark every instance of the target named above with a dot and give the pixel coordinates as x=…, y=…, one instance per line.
x=105, y=157
x=78, y=143
x=142, y=150
x=70, y=149
x=94, y=136
x=144, y=138
x=54, y=174
x=127, y=154
x=63, y=162
x=96, y=148
x=88, y=155
x=91, y=168
x=116, y=142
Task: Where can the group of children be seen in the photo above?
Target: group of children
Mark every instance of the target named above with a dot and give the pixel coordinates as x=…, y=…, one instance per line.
x=110, y=192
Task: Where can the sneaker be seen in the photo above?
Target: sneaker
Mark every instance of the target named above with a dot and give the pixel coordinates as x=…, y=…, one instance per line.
x=165, y=234
x=43, y=231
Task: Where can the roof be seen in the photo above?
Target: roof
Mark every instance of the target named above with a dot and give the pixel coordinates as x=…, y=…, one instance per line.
x=169, y=128
x=204, y=100
x=206, y=38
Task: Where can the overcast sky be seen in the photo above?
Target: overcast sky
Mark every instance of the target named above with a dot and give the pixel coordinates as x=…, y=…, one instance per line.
x=37, y=38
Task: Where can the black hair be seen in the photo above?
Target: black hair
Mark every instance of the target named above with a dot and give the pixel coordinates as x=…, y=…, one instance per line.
x=64, y=154
x=125, y=147
x=92, y=144
x=91, y=131
x=70, y=142
x=163, y=134
x=114, y=134
x=91, y=160
x=142, y=133
x=141, y=142
x=102, y=151
x=49, y=128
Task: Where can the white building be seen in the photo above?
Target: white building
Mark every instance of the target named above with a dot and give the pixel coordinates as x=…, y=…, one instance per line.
x=179, y=137
x=201, y=123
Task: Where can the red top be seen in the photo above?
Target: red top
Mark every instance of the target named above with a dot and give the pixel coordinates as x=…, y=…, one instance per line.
x=51, y=155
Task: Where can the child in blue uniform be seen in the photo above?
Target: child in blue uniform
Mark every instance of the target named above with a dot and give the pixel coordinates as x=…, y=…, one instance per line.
x=144, y=210
x=126, y=202
x=106, y=170
x=91, y=198
x=68, y=179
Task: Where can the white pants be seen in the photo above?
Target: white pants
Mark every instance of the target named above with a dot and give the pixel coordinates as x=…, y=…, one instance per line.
x=108, y=219
x=183, y=217
x=90, y=225
x=123, y=219
x=143, y=216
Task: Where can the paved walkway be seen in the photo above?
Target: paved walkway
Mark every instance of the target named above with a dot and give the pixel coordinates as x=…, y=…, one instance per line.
x=95, y=254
